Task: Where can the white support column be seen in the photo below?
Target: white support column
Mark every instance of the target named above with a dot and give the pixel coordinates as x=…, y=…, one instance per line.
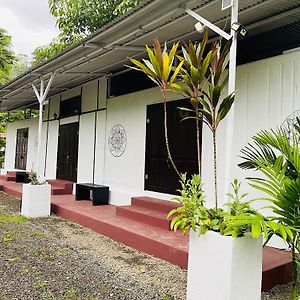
x=41, y=96
x=231, y=89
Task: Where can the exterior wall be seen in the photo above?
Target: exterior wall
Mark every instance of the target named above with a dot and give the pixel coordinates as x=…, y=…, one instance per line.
x=125, y=174
x=10, y=153
x=267, y=92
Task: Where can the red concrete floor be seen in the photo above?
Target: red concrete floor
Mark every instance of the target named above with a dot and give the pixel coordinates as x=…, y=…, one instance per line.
x=128, y=228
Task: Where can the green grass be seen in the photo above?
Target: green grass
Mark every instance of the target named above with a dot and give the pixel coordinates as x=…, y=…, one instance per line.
x=11, y=219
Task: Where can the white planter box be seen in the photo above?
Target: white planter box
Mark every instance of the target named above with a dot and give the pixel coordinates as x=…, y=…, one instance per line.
x=224, y=268
x=36, y=200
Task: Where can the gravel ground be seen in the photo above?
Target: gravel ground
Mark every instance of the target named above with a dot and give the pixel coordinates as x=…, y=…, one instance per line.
x=52, y=258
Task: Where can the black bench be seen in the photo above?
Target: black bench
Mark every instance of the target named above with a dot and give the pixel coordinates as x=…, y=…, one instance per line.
x=95, y=192
x=22, y=176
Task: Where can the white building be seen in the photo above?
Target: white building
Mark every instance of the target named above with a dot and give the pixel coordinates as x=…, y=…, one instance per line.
x=103, y=123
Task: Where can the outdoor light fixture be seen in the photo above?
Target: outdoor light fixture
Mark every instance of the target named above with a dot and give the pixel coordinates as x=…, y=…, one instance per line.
x=199, y=27
x=55, y=116
x=240, y=29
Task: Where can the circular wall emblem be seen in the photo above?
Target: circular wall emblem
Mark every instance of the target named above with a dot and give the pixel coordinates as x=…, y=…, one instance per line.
x=117, y=140
x=290, y=124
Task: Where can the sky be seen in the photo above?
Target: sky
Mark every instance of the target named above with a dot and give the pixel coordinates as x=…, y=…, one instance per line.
x=28, y=22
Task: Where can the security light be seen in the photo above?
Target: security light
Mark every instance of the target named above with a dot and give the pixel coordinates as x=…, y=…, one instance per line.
x=199, y=27
x=240, y=29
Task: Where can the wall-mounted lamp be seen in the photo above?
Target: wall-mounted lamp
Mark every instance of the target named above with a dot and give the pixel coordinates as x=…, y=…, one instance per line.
x=199, y=27
x=55, y=116
x=240, y=29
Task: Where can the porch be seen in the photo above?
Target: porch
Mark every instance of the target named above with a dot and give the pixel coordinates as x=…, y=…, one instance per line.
x=143, y=226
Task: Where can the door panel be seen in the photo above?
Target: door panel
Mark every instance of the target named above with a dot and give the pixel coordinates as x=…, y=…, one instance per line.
x=159, y=173
x=67, y=156
x=21, y=149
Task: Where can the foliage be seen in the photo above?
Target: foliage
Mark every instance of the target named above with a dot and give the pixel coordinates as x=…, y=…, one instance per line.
x=160, y=69
x=193, y=214
x=77, y=19
x=33, y=177
x=125, y=5
x=7, y=57
x=278, y=160
x=46, y=52
x=204, y=83
x=21, y=65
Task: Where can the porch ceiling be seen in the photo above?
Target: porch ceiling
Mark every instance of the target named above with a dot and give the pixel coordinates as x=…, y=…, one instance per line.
x=106, y=51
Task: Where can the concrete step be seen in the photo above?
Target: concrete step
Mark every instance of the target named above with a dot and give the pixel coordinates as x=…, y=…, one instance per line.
x=159, y=242
x=155, y=204
x=13, y=191
x=144, y=215
x=7, y=178
x=61, y=184
x=11, y=173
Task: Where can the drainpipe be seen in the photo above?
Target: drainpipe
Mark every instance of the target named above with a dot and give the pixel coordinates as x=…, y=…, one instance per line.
x=41, y=97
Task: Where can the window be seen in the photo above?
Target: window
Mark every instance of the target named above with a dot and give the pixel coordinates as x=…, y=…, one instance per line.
x=70, y=107
x=128, y=82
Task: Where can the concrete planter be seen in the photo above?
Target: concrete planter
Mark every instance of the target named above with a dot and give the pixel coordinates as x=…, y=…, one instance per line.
x=36, y=200
x=221, y=267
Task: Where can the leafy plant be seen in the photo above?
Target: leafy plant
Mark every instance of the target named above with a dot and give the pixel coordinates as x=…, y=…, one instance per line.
x=34, y=180
x=239, y=219
x=278, y=160
x=160, y=69
x=204, y=83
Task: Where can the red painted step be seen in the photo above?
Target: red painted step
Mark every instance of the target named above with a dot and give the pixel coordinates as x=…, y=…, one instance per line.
x=61, y=187
x=7, y=177
x=15, y=191
x=144, y=215
x=159, y=242
x=156, y=204
x=11, y=173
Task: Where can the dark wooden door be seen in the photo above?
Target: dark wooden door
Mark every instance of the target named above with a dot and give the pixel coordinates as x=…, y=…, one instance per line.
x=21, y=149
x=67, y=156
x=159, y=173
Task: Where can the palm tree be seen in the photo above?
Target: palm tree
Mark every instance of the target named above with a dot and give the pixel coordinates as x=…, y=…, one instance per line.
x=277, y=157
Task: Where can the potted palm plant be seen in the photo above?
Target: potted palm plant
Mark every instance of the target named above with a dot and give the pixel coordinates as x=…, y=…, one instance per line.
x=36, y=197
x=276, y=156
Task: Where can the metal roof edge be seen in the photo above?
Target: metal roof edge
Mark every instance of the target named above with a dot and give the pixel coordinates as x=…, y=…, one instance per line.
x=80, y=44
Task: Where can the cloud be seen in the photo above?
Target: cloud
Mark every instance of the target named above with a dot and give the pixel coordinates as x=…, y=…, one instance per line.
x=28, y=22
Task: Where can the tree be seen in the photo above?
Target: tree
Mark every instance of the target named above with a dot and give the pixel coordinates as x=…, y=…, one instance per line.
x=7, y=57
x=77, y=19
x=277, y=158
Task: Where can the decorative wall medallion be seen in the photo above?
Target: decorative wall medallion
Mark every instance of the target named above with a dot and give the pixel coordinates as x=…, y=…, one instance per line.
x=289, y=125
x=117, y=140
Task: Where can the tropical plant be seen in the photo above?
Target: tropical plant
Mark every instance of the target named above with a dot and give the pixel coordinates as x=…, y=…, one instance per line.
x=7, y=57
x=204, y=84
x=277, y=157
x=236, y=221
x=193, y=73
x=160, y=69
x=76, y=19
x=33, y=177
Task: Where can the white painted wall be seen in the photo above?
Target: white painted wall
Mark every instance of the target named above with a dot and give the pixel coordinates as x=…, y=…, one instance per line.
x=125, y=174
x=52, y=146
x=32, y=125
x=86, y=147
x=267, y=92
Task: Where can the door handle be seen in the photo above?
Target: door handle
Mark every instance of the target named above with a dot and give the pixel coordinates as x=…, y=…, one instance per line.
x=168, y=163
x=68, y=158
